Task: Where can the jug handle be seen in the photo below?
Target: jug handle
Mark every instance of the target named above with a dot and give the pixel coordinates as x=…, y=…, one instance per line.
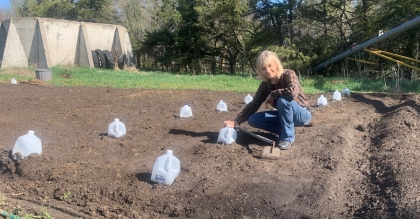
x=169, y=166
x=116, y=127
x=229, y=132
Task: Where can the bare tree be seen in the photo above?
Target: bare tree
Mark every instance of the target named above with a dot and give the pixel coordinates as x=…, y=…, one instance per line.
x=116, y=53
x=139, y=17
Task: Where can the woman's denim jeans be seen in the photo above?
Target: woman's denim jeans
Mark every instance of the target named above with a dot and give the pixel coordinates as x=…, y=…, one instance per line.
x=289, y=114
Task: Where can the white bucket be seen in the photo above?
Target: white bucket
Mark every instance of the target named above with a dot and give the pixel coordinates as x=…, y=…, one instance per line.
x=221, y=106
x=227, y=135
x=27, y=144
x=248, y=99
x=185, y=111
x=322, y=101
x=337, y=95
x=116, y=129
x=166, y=168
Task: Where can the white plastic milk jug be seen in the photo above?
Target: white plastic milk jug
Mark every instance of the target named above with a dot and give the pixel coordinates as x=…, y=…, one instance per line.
x=322, y=101
x=28, y=144
x=116, y=129
x=227, y=135
x=166, y=168
x=248, y=99
x=185, y=111
x=221, y=106
x=13, y=81
x=337, y=95
x=346, y=92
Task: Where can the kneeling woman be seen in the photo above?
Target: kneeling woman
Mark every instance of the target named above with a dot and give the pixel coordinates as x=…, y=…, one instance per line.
x=281, y=89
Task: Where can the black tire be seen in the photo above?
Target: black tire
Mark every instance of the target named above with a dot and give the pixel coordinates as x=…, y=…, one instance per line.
x=109, y=59
x=101, y=56
x=95, y=59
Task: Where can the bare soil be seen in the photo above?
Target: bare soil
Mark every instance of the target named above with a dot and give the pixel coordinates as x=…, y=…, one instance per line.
x=359, y=159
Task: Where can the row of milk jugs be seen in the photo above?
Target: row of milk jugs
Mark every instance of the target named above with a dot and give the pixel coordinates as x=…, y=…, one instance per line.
x=322, y=101
x=31, y=144
x=186, y=110
x=165, y=168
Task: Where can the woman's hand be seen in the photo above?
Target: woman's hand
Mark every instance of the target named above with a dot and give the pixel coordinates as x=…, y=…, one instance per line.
x=269, y=101
x=230, y=123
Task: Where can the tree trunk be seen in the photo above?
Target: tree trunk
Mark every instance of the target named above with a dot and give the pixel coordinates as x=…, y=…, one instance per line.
x=232, y=65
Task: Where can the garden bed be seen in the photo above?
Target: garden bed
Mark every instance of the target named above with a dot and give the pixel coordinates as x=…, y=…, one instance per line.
x=359, y=157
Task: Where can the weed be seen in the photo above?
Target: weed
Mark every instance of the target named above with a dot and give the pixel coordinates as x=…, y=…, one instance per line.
x=66, y=195
x=2, y=200
x=44, y=215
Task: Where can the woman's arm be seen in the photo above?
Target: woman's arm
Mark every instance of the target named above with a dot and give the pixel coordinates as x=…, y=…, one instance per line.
x=255, y=104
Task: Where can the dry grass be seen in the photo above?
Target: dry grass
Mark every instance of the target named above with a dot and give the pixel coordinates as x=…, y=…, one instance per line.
x=131, y=69
x=19, y=71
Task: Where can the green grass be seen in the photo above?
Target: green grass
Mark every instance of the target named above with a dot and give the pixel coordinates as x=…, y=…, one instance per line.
x=93, y=77
x=160, y=80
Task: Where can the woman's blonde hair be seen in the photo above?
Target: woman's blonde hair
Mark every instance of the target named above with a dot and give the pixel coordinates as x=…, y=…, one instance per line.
x=266, y=57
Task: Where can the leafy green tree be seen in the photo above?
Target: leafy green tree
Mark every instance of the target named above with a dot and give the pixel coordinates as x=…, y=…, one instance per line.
x=363, y=25
x=324, y=28
x=227, y=27
x=190, y=44
x=277, y=18
x=159, y=46
x=81, y=10
x=59, y=9
x=34, y=8
x=391, y=14
x=178, y=40
x=100, y=11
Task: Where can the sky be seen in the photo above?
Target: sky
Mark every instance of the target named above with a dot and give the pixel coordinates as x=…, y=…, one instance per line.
x=4, y=3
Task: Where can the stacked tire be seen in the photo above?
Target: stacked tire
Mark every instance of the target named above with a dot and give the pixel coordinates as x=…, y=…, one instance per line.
x=104, y=59
x=95, y=59
x=109, y=60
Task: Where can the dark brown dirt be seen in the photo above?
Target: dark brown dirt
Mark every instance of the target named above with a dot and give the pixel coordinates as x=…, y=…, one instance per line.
x=359, y=159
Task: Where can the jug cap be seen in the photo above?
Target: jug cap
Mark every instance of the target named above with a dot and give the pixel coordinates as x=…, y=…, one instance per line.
x=31, y=132
x=116, y=119
x=169, y=151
